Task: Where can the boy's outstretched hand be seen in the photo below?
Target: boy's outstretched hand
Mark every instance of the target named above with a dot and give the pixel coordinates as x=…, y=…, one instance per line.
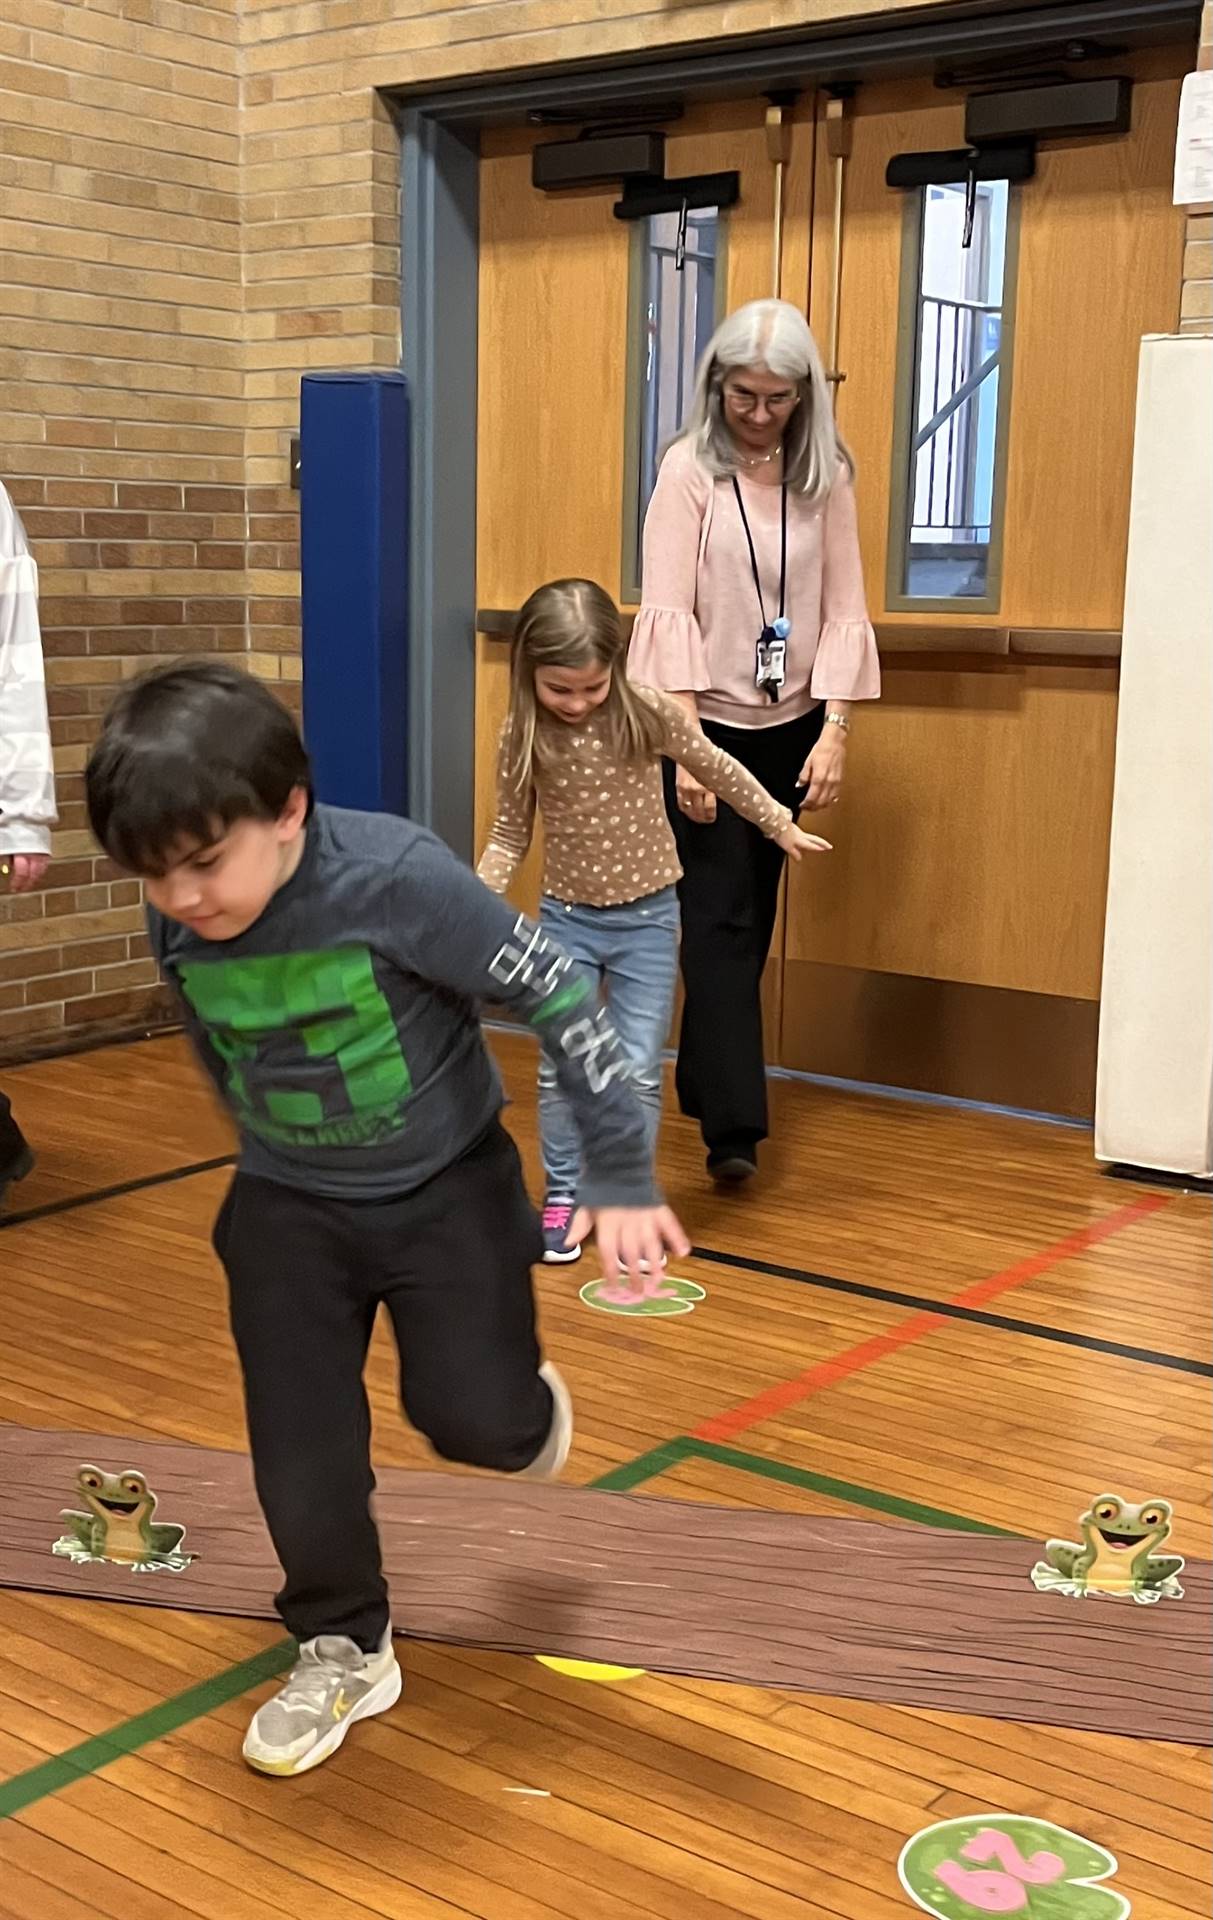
x=629, y=1235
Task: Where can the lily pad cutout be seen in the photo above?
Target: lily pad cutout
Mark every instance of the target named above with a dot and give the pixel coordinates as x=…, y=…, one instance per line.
x=619, y=1296
x=1009, y=1863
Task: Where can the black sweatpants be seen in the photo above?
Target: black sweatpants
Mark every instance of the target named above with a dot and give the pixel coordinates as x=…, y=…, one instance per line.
x=729, y=896
x=451, y=1262
x=12, y=1140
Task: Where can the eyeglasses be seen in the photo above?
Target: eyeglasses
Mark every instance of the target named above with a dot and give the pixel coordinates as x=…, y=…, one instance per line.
x=741, y=400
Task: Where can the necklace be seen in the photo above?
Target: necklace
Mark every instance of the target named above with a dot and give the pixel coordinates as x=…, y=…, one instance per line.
x=760, y=459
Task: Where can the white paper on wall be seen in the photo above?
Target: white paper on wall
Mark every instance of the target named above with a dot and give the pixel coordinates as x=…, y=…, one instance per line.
x=1194, y=142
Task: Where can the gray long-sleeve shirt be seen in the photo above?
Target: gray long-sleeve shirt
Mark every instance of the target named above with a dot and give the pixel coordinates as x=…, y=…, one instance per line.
x=341, y=1028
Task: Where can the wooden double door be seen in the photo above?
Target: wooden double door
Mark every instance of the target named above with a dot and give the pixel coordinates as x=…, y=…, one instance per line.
x=954, y=940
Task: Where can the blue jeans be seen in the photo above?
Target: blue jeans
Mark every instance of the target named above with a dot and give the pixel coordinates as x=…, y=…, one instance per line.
x=633, y=950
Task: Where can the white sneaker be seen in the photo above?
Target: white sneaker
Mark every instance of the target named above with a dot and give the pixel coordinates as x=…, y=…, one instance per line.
x=332, y=1684
x=555, y=1451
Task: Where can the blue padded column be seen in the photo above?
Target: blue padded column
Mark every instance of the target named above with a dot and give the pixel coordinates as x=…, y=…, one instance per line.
x=354, y=513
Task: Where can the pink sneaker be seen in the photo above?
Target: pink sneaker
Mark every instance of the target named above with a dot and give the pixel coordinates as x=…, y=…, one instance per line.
x=557, y=1219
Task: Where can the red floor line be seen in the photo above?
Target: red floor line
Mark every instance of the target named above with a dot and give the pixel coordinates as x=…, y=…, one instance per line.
x=786, y=1393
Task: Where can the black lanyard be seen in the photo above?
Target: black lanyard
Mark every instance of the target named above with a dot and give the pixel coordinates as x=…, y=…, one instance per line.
x=783, y=550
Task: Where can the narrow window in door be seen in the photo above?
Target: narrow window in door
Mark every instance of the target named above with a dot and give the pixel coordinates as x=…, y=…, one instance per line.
x=674, y=303
x=954, y=386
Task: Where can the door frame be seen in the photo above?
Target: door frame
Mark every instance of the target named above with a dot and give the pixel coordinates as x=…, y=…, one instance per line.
x=440, y=258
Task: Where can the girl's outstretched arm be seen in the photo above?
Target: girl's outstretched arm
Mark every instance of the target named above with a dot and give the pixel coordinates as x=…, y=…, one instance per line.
x=726, y=777
x=510, y=835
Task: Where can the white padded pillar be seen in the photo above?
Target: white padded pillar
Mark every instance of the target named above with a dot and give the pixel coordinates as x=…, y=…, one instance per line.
x=1154, y=1095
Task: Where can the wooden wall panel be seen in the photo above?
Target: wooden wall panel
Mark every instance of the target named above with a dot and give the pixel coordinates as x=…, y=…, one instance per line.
x=1101, y=251
x=553, y=352
x=972, y=839
x=905, y=117
x=553, y=342
x=1100, y=256
x=971, y=844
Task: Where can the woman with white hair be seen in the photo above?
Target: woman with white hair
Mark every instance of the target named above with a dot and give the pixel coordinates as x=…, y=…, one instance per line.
x=754, y=615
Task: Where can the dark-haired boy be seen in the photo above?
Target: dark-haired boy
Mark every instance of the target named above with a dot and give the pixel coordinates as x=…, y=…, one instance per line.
x=328, y=963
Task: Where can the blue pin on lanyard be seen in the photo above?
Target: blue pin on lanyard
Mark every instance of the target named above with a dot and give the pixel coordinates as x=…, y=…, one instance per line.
x=770, y=668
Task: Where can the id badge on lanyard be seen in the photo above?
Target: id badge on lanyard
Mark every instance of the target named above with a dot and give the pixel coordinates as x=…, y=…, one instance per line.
x=771, y=659
x=771, y=653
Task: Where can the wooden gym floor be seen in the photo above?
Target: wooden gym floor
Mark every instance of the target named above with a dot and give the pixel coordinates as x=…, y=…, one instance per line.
x=1067, y=1354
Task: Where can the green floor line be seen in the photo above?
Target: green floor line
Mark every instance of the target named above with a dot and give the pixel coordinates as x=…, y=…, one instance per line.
x=856, y=1496
x=102, y=1749
x=129, y=1735
x=647, y=1466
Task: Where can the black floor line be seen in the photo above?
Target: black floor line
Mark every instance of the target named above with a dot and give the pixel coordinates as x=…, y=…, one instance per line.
x=1089, y=1341
x=859, y=1289
x=73, y=1200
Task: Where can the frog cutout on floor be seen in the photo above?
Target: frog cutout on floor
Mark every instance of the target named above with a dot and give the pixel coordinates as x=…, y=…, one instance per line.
x=117, y=1525
x=1117, y=1558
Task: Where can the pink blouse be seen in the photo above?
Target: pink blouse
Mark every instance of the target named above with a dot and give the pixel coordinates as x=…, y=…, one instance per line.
x=698, y=627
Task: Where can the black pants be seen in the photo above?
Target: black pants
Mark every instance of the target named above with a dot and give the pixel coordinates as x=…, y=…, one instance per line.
x=729, y=896
x=451, y=1262
x=12, y=1140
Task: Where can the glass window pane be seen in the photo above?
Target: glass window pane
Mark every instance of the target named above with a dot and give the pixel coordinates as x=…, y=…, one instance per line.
x=954, y=417
x=679, y=318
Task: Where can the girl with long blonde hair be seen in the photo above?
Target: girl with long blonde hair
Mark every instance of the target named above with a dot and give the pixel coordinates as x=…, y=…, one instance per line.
x=583, y=746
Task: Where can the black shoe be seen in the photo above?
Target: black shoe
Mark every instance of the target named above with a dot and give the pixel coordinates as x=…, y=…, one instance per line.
x=15, y=1169
x=732, y=1164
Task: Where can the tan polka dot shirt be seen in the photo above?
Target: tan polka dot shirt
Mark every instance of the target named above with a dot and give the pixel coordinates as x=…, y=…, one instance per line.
x=607, y=840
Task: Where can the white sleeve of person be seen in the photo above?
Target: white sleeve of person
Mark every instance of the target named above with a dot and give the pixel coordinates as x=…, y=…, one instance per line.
x=27, y=782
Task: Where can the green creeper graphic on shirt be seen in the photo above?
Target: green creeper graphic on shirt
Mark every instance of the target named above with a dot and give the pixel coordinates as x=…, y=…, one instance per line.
x=330, y=1070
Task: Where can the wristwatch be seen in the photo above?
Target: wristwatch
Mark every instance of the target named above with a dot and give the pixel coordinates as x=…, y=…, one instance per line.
x=838, y=720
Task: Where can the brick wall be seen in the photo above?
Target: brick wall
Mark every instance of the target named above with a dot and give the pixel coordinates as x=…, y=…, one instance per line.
x=199, y=201
x=1196, y=306
x=121, y=421
x=73, y=954
x=322, y=164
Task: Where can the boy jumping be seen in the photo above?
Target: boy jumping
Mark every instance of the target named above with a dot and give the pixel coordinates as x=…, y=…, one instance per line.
x=328, y=964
